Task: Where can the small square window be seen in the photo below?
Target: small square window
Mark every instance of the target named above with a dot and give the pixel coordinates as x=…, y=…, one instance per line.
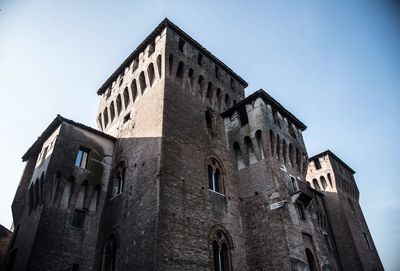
x=78, y=219
x=82, y=157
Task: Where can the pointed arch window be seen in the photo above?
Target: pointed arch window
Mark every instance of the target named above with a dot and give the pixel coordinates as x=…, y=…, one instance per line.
x=134, y=91
x=119, y=104
x=250, y=150
x=159, y=65
x=151, y=73
x=238, y=155
x=126, y=98
x=259, y=143
x=142, y=82
x=215, y=179
x=221, y=248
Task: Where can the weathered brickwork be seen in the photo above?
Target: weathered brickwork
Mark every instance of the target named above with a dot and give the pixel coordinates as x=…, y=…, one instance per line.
x=184, y=173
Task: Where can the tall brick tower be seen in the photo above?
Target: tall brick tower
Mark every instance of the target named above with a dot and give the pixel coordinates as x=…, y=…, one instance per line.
x=184, y=173
x=356, y=249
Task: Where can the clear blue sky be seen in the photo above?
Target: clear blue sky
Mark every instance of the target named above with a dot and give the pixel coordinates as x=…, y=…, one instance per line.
x=334, y=64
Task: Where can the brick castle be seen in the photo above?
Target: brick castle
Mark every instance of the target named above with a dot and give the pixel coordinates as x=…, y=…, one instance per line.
x=185, y=173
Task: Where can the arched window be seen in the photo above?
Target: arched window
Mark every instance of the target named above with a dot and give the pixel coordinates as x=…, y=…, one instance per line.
x=126, y=97
x=259, y=143
x=95, y=198
x=119, y=104
x=112, y=111
x=134, y=91
x=105, y=115
x=119, y=180
x=209, y=92
x=284, y=149
x=151, y=73
x=278, y=146
x=291, y=154
x=159, y=65
x=170, y=63
x=323, y=183
x=272, y=141
x=142, y=82
x=109, y=254
x=209, y=120
x=221, y=246
x=200, y=85
x=65, y=197
x=100, y=121
x=238, y=155
x=227, y=100
x=310, y=260
x=330, y=179
x=180, y=70
x=190, y=79
x=219, y=98
x=214, y=177
x=80, y=199
x=250, y=150
x=315, y=184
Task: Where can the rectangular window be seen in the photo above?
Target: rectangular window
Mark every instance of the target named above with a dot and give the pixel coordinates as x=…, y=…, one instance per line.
x=200, y=59
x=82, y=157
x=78, y=219
x=243, y=115
x=75, y=267
x=317, y=163
x=182, y=45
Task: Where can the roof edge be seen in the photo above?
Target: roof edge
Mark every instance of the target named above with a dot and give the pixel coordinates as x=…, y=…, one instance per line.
x=142, y=46
x=268, y=98
x=58, y=120
x=334, y=156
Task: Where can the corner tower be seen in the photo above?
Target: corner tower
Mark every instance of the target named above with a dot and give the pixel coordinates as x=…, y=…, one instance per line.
x=335, y=179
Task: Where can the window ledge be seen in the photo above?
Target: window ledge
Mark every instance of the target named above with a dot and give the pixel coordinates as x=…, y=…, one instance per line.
x=218, y=193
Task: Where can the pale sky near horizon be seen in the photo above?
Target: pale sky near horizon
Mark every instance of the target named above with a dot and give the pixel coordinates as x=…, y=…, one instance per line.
x=334, y=64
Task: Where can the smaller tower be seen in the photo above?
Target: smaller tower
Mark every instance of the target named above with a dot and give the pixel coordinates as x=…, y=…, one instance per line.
x=334, y=179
